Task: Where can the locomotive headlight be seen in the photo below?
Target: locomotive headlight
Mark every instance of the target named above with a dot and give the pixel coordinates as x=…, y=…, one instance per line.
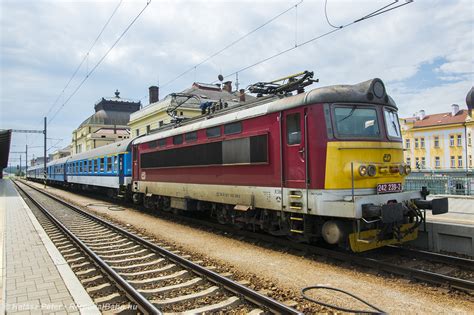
x=362, y=170
x=371, y=170
x=379, y=89
x=407, y=169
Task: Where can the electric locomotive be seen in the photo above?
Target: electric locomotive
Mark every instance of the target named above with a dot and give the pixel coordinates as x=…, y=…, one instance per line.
x=323, y=164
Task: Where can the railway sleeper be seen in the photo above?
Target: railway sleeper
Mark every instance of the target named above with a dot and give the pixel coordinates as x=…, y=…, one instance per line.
x=169, y=288
x=184, y=298
x=110, y=251
x=141, y=273
x=179, y=274
x=228, y=303
x=128, y=253
x=148, y=263
x=115, y=261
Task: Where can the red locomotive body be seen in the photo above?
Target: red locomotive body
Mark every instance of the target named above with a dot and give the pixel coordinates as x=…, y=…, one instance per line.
x=307, y=165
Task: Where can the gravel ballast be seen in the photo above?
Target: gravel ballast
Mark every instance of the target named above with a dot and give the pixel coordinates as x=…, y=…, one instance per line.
x=288, y=272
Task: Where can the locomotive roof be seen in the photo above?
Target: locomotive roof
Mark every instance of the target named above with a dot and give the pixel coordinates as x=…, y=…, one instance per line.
x=368, y=92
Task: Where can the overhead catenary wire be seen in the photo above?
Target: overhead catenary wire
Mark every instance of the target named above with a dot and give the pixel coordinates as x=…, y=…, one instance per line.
x=82, y=61
x=100, y=60
x=326, y=14
x=85, y=56
x=366, y=17
x=232, y=43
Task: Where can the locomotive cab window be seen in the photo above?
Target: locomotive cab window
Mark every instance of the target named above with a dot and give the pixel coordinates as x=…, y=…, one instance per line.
x=293, y=129
x=356, y=122
x=391, y=123
x=162, y=142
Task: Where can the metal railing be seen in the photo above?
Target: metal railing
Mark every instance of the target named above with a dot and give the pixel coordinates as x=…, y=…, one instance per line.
x=442, y=184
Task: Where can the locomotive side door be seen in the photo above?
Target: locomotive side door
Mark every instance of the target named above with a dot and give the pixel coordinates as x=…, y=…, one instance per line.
x=135, y=169
x=294, y=148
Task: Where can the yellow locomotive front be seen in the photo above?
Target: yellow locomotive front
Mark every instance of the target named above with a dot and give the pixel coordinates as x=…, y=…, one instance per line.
x=365, y=174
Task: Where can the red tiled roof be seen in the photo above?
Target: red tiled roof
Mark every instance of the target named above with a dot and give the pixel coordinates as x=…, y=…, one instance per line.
x=441, y=119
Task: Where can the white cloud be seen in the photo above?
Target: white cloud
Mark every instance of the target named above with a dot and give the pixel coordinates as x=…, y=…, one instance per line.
x=42, y=43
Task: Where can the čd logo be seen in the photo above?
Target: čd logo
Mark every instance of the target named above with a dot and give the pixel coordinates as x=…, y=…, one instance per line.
x=387, y=157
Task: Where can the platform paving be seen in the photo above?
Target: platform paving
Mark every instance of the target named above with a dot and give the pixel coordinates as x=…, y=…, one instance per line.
x=35, y=277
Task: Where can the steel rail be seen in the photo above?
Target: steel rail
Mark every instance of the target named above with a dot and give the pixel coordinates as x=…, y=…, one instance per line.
x=435, y=257
x=143, y=304
x=248, y=294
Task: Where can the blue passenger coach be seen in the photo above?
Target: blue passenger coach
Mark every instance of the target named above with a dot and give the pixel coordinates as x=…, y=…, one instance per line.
x=107, y=168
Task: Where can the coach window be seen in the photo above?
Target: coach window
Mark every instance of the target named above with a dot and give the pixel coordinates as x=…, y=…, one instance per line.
x=178, y=139
x=109, y=164
x=233, y=128
x=191, y=136
x=116, y=163
x=102, y=166
x=96, y=166
x=293, y=129
x=213, y=132
x=90, y=166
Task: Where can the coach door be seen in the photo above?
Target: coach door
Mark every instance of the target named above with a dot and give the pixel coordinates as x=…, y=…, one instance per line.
x=294, y=148
x=121, y=170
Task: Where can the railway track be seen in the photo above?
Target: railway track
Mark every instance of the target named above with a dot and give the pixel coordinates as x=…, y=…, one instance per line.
x=126, y=269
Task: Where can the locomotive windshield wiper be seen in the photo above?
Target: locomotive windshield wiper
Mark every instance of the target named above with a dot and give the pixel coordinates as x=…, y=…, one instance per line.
x=348, y=115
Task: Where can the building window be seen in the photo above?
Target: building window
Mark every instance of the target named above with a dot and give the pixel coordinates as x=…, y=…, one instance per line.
x=409, y=161
x=422, y=143
x=470, y=160
x=423, y=162
x=137, y=132
x=417, y=163
x=469, y=139
x=160, y=124
x=437, y=162
x=459, y=141
x=451, y=141
x=459, y=160
x=453, y=162
x=436, y=142
x=416, y=143
x=407, y=143
x=148, y=129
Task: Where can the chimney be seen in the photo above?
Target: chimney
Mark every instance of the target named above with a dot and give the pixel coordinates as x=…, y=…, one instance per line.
x=242, y=95
x=421, y=114
x=227, y=86
x=154, y=93
x=454, y=109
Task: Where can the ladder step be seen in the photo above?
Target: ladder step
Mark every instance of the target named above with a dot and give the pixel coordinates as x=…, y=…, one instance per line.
x=297, y=231
x=296, y=207
x=295, y=196
x=296, y=219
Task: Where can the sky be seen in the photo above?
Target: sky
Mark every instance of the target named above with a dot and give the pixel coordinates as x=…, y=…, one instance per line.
x=423, y=52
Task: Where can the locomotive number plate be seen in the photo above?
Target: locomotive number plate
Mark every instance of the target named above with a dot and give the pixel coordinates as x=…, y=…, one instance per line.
x=389, y=188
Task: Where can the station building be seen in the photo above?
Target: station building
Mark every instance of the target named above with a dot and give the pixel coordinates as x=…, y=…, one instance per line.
x=162, y=112
x=440, y=142
x=108, y=124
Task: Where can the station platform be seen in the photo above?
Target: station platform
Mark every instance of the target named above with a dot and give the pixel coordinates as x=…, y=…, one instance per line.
x=35, y=278
x=451, y=232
